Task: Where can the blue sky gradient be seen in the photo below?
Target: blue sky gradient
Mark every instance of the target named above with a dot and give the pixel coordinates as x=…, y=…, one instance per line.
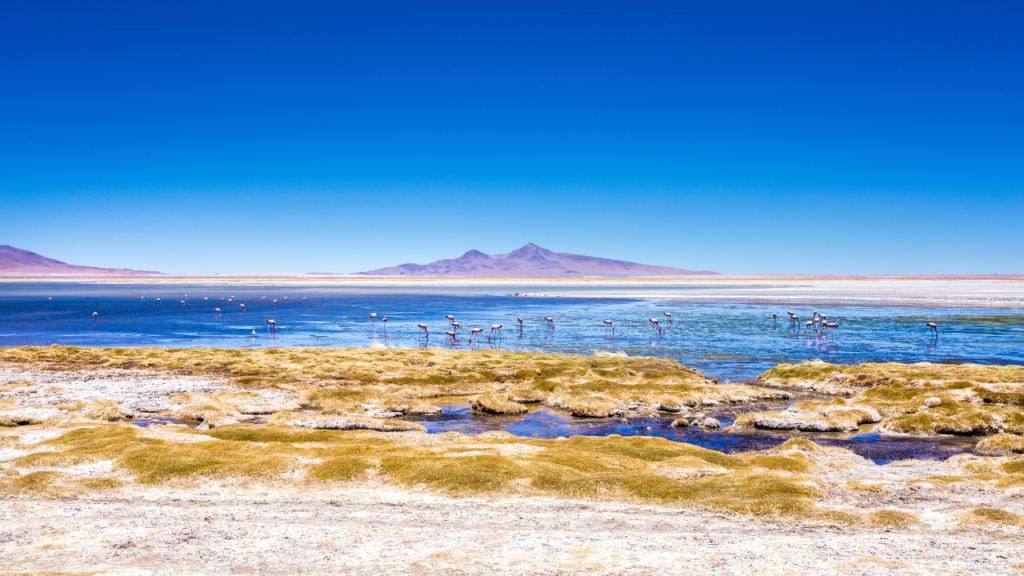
x=865, y=138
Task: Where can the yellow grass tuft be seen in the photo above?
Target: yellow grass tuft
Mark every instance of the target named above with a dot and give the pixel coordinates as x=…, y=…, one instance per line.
x=497, y=403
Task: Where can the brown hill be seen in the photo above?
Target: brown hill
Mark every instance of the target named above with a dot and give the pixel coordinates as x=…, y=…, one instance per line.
x=15, y=262
x=532, y=261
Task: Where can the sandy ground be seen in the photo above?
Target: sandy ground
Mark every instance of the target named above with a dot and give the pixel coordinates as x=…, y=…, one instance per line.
x=985, y=292
x=373, y=530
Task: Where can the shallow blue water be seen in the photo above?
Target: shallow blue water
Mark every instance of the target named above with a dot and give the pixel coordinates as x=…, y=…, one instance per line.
x=542, y=422
x=734, y=340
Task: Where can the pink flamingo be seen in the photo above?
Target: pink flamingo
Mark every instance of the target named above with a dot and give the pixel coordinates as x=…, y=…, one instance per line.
x=669, y=316
x=808, y=325
x=494, y=327
x=451, y=319
x=205, y=299
x=655, y=322
x=158, y=301
x=456, y=326
x=451, y=336
x=50, y=298
x=285, y=297
x=221, y=300
x=143, y=298
x=550, y=321
x=609, y=324
x=182, y=302
x=275, y=301
x=775, y=319
x=271, y=323
x=264, y=298
x=933, y=327
x=243, y=308
x=424, y=328
x=95, y=317
x=474, y=332
x=385, y=321
x=373, y=316
x=520, y=320
x=217, y=311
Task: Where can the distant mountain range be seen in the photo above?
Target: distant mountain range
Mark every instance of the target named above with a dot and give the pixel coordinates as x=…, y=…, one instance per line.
x=532, y=261
x=15, y=262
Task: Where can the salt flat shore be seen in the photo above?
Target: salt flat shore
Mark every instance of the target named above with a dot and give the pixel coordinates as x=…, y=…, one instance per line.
x=1005, y=292
x=83, y=490
x=371, y=529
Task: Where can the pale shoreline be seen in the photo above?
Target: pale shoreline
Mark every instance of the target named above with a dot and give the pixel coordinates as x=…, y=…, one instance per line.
x=1004, y=292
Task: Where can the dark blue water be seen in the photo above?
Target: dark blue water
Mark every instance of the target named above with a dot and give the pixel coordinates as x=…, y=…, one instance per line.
x=542, y=422
x=734, y=340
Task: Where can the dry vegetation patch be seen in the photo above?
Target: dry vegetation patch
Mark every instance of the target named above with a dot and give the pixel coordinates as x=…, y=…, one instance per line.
x=963, y=399
x=388, y=382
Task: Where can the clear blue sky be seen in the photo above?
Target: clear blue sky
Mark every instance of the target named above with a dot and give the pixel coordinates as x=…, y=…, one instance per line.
x=819, y=137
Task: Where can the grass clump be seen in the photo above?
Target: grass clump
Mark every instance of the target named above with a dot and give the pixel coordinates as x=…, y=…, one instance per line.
x=1001, y=445
x=988, y=516
x=891, y=519
x=865, y=486
x=497, y=403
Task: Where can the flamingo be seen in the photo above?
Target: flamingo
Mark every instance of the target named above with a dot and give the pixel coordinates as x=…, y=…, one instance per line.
x=96, y=316
x=424, y=328
x=271, y=323
x=474, y=332
x=385, y=321
x=808, y=325
x=243, y=308
x=205, y=299
x=221, y=300
x=655, y=322
x=50, y=298
x=217, y=311
x=609, y=324
x=933, y=327
x=494, y=327
x=253, y=333
x=451, y=336
x=451, y=319
x=182, y=302
x=275, y=301
x=456, y=326
x=264, y=297
x=520, y=320
x=373, y=316
x=285, y=297
x=143, y=298
x=669, y=316
x=550, y=321
x=303, y=298
x=158, y=301
x=775, y=319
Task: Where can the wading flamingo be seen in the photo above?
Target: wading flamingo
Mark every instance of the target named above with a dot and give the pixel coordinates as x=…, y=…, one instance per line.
x=271, y=323
x=775, y=319
x=656, y=325
x=96, y=316
x=242, y=306
x=609, y=324
x=808, y=325
x=285, y=297
x=182, y=302
x=520, y=320
x=424, y=328
x=385, y=321
x=373, y=316
x=158, y=301
x=264, y=298
x=933, y=327
x=669, y=316
x=451, y=319
x=205, y=299
x=275, y=301
x=217, y=310
x=50, y=298
x=494, y=327
x=451, y=336
x=143, y=298
x=474, y=332
x=550, y=321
